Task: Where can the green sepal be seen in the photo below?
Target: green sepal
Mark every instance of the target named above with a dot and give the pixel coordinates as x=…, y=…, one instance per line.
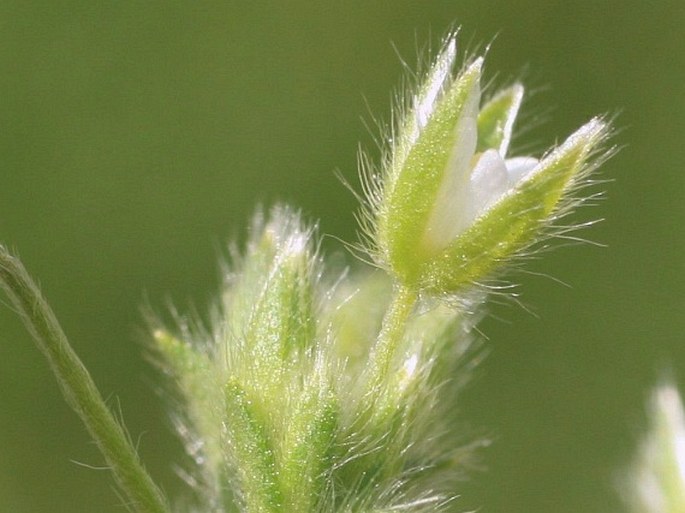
x=281, y=327
x=496, y=119
x=187, y=364
x=269, y=302
x=438, y=78
x=515, y=220
x=252, y=451
x=307, y=447
x=269, y=307
x=282, y=321
x=244, y=285
x=411, y=191
x=197, y=379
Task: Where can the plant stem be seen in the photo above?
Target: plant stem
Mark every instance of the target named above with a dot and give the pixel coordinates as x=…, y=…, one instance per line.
x=78, y=388
x=392, y=330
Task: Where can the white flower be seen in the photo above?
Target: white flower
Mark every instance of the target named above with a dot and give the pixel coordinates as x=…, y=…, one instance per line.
x=475, y=181
x=450, y=204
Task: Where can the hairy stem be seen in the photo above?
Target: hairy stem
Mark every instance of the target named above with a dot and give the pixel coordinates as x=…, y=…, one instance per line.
x=78, y=388
x=391, y=334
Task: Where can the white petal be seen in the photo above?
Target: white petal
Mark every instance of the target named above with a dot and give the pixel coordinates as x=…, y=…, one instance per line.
x=519, y=167
x=451, y=213
x=489, y=181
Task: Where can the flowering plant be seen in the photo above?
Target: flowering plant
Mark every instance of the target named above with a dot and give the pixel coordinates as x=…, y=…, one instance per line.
x=318, y=390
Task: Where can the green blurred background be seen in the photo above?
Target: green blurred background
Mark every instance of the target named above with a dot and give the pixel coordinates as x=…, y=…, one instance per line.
x=137, y=138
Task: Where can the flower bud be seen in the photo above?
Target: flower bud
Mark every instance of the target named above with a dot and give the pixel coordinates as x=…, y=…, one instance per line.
x=450, y=206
